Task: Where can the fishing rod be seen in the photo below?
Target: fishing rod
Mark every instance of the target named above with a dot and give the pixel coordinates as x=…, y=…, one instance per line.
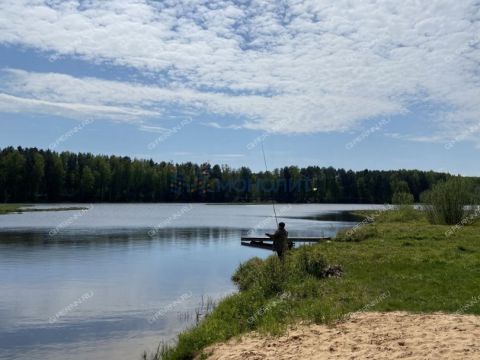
x=266, y=169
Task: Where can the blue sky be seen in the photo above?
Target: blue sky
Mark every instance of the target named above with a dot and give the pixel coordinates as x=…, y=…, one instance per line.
x=378, y=85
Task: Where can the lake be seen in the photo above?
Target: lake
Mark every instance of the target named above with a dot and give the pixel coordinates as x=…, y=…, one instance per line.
x=117, y=279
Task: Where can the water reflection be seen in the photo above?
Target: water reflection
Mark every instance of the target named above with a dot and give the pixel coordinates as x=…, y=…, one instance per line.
x=163, y=237
x=336, y=216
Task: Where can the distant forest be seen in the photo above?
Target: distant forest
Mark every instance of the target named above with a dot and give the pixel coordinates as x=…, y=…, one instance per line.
x=33, y=175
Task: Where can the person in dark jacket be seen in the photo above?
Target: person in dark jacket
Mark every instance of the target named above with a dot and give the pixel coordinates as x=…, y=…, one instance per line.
x=280, y=240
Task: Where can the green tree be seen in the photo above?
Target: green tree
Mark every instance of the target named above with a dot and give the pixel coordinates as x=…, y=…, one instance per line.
x=103, y=178
x=87, y=183
x=402, y=198
x=54, y=176
x=31, y=174
x=38, y=173
x=14, y=169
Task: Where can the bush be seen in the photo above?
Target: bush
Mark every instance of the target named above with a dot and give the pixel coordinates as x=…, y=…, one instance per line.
x=402, y=198
x=448, y=202
x=271, y=277
x=247, y=273
x=267, y=276
x=309, y=260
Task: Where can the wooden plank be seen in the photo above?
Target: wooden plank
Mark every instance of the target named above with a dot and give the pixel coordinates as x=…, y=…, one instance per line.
x=291, y=238
x=259, y=245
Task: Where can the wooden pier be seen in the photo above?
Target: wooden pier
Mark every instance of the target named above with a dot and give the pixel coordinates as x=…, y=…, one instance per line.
x=291, y=238
x=267, y=243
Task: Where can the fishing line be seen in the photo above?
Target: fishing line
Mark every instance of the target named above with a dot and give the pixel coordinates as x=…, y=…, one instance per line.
x=266, y=169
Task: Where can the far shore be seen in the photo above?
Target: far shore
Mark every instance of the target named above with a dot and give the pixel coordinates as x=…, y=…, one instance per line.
x=21, y=208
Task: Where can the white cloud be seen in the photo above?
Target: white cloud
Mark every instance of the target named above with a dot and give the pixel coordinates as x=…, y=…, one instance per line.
x=154, y=129
x=13, y=104
x=417, y=138
x=216, y=125
x=307, y=66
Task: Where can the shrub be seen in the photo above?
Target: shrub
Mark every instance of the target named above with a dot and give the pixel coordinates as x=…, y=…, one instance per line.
x=402, y=198
x=271, y=277
x=267, y=276
x=309, y=260
x=448, y=202
x=247, y=273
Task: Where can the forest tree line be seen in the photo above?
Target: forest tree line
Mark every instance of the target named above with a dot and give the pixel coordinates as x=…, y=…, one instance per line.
x=33, y=175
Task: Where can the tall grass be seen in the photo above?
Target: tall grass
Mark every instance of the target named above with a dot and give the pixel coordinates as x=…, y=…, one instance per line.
x=449, y=202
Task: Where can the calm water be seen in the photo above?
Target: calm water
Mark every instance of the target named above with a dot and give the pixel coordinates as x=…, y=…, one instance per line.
x=115, y=280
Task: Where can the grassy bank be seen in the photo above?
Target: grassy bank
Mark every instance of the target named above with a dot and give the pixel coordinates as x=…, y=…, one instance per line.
x=10, y=208
x=397, y=262
x=20, y=208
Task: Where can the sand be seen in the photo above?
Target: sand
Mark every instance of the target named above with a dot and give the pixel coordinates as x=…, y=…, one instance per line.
x=395, y=335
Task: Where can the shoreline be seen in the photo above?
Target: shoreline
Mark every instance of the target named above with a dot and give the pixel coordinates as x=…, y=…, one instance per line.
x=398, y=262
x=21, y=208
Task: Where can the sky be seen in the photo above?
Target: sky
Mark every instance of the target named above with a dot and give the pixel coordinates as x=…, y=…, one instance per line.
x=352, y=84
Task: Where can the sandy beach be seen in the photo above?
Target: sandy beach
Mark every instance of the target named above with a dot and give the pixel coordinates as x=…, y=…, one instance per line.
x=395, y=335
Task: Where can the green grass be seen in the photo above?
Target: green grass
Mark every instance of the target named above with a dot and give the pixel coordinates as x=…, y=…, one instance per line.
x=19, y=208
x=9, y=208
x=404, y=264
